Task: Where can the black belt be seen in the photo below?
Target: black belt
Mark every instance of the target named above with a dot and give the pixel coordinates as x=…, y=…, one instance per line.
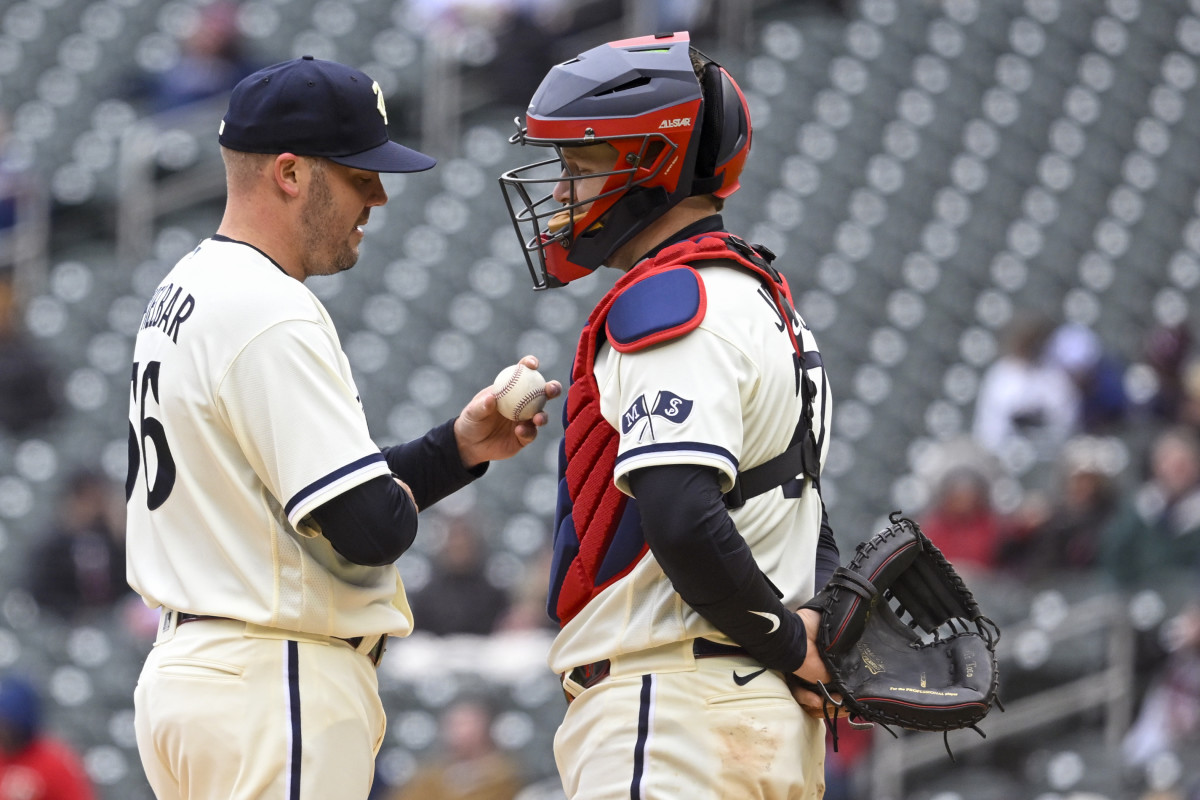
x=181, y=618
x=588, y=675
x=375, y=654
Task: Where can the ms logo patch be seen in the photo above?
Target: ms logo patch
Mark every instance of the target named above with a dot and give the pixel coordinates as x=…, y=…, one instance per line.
x=667, y=406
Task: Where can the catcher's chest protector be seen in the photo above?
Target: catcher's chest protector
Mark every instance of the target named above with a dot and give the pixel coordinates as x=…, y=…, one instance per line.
x=598, y=536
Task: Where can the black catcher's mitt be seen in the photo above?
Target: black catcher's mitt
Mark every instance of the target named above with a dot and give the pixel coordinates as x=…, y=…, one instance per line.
x=940, y=678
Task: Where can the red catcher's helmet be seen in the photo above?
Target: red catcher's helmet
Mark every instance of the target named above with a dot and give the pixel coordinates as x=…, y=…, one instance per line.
x=675, y=134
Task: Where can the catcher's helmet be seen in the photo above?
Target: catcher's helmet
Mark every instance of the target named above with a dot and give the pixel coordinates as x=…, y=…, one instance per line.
x=679, y=125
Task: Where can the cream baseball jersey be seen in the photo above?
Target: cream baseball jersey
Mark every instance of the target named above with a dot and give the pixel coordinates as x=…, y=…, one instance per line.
x=723, y=395
x=243, y=418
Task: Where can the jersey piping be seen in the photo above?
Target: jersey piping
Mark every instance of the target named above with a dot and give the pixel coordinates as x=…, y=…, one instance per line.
x=349, y=473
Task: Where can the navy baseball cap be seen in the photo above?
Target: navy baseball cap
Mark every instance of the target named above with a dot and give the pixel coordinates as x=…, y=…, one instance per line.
x=320, y=108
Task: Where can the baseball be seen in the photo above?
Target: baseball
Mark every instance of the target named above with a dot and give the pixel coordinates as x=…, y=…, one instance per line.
x=520, y=392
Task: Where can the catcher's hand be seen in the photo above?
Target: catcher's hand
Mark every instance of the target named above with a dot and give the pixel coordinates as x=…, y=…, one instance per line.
x=813, y=671
x=881, y=667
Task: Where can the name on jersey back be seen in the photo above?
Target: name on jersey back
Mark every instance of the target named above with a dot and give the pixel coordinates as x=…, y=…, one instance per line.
x=167, y=310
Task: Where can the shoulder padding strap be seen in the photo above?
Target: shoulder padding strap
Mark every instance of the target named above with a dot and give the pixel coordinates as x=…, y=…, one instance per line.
x=801, y=457
x=662, y=306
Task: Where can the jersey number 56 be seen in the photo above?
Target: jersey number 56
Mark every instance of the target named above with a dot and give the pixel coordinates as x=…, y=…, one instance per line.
x=152, y=431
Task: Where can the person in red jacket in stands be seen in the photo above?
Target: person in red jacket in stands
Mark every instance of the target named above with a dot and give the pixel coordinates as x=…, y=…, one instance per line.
x=963, y=523
x=34, y=765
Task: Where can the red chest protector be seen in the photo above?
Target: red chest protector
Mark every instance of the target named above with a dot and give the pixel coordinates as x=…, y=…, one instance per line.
x=595, y=506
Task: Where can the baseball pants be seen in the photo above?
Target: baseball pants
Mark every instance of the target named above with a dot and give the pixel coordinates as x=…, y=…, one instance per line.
x=666, y=725
x=229, y=711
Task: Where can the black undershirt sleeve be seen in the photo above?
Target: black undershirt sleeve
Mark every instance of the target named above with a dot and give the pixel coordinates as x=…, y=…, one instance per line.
x=375, y=522
x=829, y=557
x=371, y=524
x=431, y=465
x=694, y=540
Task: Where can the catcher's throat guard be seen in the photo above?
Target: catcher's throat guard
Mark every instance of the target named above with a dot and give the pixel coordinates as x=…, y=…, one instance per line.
x=903, y=638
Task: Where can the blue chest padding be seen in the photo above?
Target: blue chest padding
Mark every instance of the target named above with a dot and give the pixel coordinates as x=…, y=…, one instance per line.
x=659, y=307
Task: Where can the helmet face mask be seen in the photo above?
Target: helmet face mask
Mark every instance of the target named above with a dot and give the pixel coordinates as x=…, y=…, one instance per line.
x=669, y=131
x=550, y=227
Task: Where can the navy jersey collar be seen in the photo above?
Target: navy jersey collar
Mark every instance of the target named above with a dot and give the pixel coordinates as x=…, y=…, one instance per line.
x=711, y=224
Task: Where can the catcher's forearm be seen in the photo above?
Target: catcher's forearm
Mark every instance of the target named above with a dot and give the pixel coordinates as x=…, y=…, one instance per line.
x=776, y=638
x=709, y=564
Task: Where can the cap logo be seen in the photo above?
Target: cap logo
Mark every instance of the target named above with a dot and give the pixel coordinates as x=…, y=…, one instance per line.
x=221, y=130
x=379, y=100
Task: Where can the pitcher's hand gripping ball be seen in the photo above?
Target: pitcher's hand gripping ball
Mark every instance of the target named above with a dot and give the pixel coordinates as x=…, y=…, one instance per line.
x=520, y=392
x=904, y=639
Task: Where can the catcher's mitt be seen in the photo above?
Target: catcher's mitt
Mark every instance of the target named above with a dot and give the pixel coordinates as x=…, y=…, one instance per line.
x=883, y=668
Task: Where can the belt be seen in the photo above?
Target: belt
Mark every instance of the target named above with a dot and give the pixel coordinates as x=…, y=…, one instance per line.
x=588, y=675
x=375, y=654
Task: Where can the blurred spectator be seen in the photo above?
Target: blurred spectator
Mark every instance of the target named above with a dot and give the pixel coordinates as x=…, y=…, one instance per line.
x=212, y=61
x=1169, y=718
x=527, y=609
x=459, y=598
x=79, y=564
x=544, y=789
x=1156, y=532
x=27, y=392
x=13, y=185
x=1098, y=376
x=470, y=766
x=679, y=15
x=1062, y=531
x=1025, y=399
x=24, y=214
x=138, y=619
x=846, y=770
x=1167, y=348
x=1189, y=407
x=34, y=766
x=509, y=43
x=962, y=522
x=525, y=35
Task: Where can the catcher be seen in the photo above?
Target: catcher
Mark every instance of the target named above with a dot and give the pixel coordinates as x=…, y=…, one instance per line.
x=690, y=523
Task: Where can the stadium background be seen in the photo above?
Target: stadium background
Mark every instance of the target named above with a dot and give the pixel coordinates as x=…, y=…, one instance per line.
x=926, y=172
